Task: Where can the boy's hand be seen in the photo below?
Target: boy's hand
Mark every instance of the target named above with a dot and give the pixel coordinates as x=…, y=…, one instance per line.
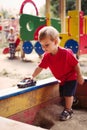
x=80, y=80
x=30, y=77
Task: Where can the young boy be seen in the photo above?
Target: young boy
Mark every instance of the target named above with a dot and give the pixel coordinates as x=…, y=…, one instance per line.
x=63, y=65
x=11, y=39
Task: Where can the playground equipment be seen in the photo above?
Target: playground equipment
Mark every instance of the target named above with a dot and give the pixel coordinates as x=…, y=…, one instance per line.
x=5, y=24
x=1, y=28
x=30, y=26
x=75, y=36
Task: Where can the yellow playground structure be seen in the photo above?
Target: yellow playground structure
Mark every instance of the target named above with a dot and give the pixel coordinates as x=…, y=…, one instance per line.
x=75, y=36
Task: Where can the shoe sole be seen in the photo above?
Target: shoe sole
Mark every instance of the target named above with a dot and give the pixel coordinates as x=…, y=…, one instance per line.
x=61, y=119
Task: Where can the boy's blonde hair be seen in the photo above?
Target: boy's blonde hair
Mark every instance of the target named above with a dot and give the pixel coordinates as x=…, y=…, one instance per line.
x=48, y=31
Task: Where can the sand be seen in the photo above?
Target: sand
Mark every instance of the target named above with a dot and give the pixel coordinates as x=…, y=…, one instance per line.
x=12, y=71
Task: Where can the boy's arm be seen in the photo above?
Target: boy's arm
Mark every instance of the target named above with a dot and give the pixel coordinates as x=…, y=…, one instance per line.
x=36, y=72
x=79, y=74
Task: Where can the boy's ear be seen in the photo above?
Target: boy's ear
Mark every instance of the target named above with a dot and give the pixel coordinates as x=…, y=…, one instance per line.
x=56, y=41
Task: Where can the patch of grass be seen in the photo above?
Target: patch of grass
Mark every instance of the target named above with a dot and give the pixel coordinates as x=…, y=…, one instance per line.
x=5, y=44
x=4, y=72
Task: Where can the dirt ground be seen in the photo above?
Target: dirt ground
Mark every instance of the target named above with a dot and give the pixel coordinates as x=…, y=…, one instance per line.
x=12, y=71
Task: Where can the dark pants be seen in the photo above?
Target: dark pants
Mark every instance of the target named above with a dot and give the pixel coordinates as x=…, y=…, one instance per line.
x=12, y=50
x=68, y=89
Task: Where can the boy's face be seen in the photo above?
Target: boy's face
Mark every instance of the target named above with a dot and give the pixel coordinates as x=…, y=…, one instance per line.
x=48, y=45
x=11, y=31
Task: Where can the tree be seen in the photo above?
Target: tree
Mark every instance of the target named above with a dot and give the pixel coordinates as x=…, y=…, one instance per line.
x=70, y=5
x=84, y=6
x=55, y=8
x=5, y=13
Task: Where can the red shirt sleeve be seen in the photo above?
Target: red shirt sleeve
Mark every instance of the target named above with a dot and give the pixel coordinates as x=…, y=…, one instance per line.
x=72, y=60
x=44, y=61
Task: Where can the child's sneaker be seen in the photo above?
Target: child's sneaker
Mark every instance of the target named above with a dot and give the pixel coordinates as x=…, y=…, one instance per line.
x=66, y=114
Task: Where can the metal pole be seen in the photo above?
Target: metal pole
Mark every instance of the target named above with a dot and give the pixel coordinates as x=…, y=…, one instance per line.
x=48, y=22
x=78, y=5
x=62, y=14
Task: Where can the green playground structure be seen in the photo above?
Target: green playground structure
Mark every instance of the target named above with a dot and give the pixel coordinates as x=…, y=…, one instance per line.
x=30, y=26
